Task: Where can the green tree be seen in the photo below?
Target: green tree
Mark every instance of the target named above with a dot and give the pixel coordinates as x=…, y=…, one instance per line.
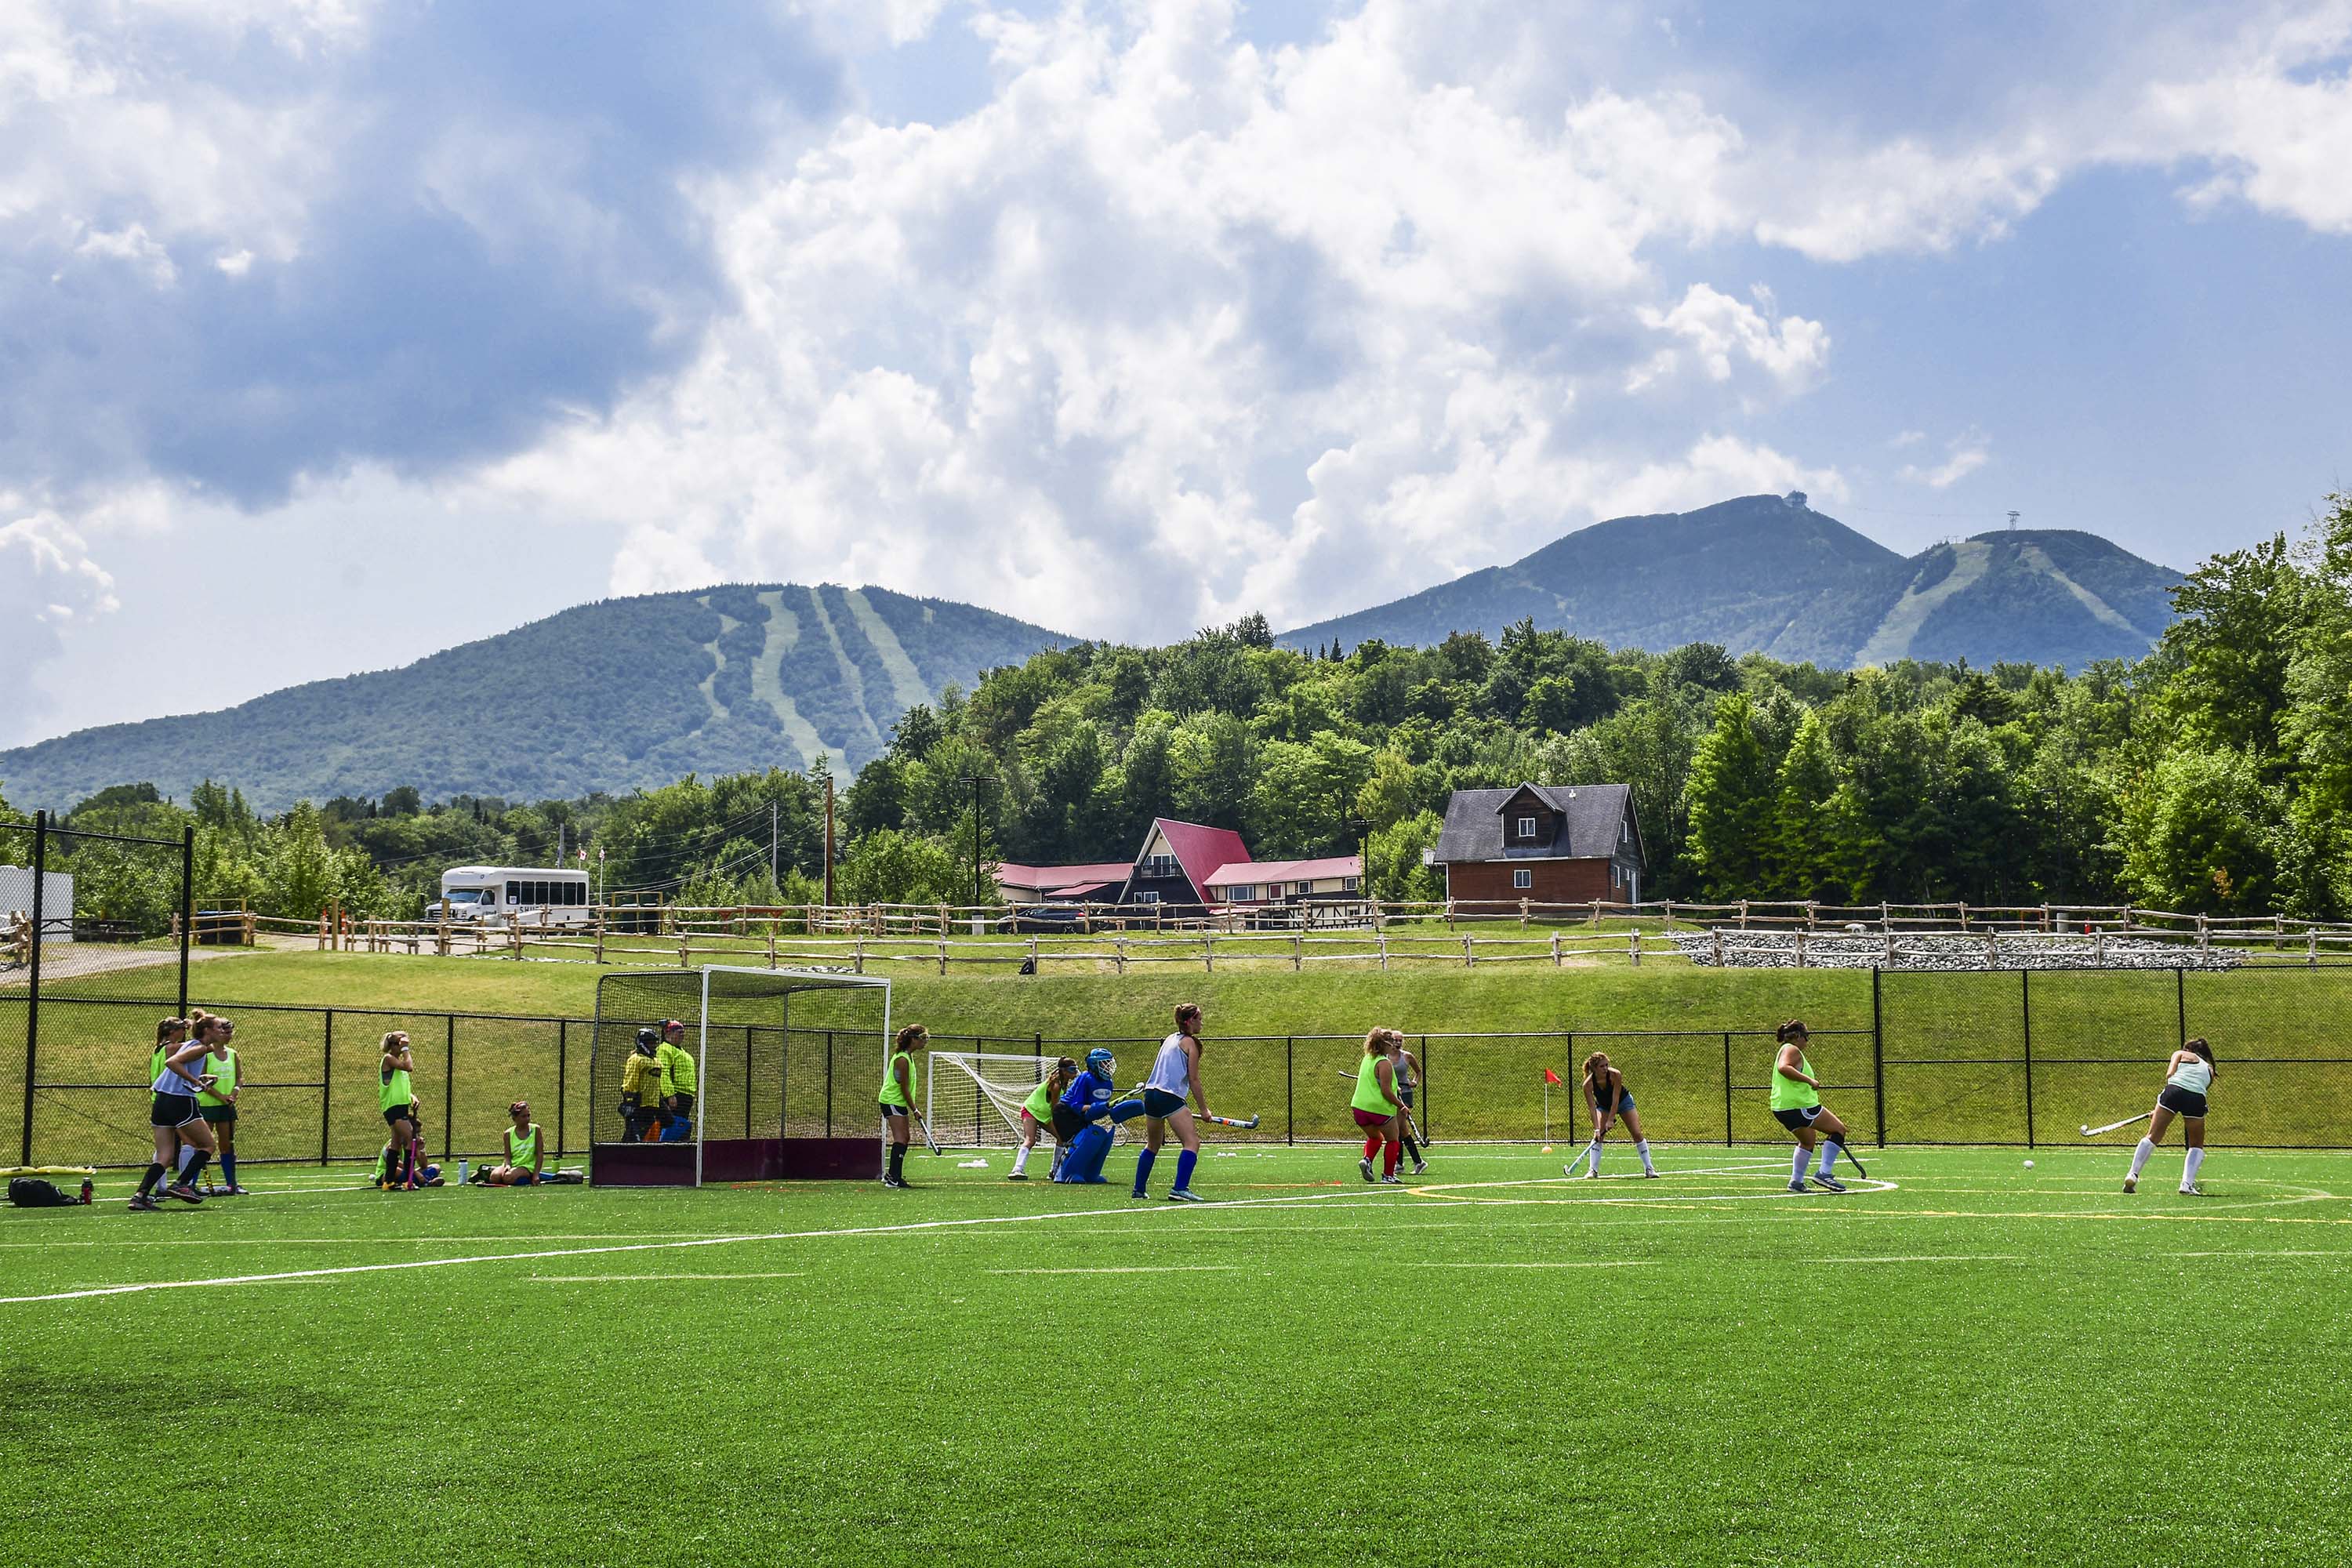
x=2196, y=833
x=1392, y=860
x=888, y=867
x=1731, y=801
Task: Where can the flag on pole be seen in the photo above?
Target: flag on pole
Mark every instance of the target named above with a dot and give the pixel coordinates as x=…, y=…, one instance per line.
x=1551, y=1077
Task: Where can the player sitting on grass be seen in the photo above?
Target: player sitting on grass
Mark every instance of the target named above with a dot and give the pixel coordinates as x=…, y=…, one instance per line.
x=1079, y=1120
x=1175, y=1077
x=898, y=1100
x=1375, y=1105
x=1797, y=1106
x=677, y=1081
x=1037, y=1118
x=1607, y=1100
x=641, y=1091
x=217, y=1105
x=2188, y=1074
x=174, y=1117
x=526, y=1152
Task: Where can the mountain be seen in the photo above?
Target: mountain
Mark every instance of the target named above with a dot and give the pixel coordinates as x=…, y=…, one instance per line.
x=608, y=696
x=1770, y=574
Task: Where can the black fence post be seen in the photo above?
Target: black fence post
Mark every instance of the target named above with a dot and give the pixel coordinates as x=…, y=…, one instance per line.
x=187, y=907
x=326, y=1086
x=2180, y=1002
x=1877, y=1056
x=1726, y=1089
x=448, y=1086
x=562, y=1061
x=2025, y=1005
x=33, y=994
x=828, y=1083
x=1289, y=1103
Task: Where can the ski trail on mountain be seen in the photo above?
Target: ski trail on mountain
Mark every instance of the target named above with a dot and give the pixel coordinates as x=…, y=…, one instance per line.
x=727, y=623
x=784, y=634
x=848, y=667
x=2038, y=559
x=906, y=686
x=1892, y=640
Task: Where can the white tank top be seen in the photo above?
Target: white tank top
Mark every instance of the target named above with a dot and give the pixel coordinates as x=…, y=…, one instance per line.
x=1172, y=1071
x=171, y=1081
x=2192, y=1075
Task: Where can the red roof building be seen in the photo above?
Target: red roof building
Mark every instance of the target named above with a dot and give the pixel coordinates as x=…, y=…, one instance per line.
x=1286, y=881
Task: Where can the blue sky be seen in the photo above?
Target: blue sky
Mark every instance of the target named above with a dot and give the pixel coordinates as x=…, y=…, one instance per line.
x=336, y=331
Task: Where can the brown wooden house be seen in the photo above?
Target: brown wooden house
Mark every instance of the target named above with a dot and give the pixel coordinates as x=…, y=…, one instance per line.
x=1549, y=844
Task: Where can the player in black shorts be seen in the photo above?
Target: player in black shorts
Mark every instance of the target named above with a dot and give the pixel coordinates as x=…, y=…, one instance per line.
x=175, y=1118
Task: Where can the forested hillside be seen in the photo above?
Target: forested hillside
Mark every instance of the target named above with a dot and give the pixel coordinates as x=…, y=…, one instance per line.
x=1770, y=574
x=2213, y=774
x=613, y=695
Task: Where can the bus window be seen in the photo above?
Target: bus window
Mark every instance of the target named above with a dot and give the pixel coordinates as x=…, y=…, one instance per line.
x=514, y=892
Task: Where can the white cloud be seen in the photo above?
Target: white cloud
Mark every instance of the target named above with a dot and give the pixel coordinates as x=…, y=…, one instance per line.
x=1790, y=349
x=1965, y=454
x=48, y=580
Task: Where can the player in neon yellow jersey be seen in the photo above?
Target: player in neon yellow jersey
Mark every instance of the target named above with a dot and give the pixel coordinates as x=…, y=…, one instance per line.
x=900, y=1082
x=1037, y=1118
x=1797, y=1106
x=217, y=1103
x=526, y=1151
x=396, y=1097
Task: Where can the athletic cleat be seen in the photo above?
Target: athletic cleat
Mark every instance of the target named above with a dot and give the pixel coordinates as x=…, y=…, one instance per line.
x=1138, y=1193
x=1365, y=1165
x=1649, y=1176
x=185, y=1193
x=2192, y=1192
x=1391, y=1180
x=1418, y=1166
x=2131, y=1183
x=1823, y=1179
x=1797, y=1186
x=1017, y=1176
x=141, y=1204
x=888, y=1180
x=1591, y=1174
x=236, y=1191
x=1185, y=1195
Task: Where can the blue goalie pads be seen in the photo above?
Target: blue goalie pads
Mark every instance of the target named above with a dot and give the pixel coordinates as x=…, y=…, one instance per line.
x=1087, y=1150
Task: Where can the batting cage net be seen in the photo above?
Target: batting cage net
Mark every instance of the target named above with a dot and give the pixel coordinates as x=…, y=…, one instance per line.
x=715, y=1098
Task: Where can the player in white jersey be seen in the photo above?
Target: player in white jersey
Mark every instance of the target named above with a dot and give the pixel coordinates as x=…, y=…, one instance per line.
x=173, y=1116
x=1175, y=1078
x=2188, y=1074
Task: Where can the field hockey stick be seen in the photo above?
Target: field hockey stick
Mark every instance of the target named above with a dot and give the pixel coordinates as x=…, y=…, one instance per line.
x=924, y=1123
x=1230, y=1121
x=1570, y=1169
x=2116, y=1126
x=1346, y=1074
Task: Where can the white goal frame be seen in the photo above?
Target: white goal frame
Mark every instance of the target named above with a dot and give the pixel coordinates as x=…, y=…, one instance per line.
x=1028, y=1070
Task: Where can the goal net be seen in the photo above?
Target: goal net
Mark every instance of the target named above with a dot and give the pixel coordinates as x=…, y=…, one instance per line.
x=973, y=1099
x=764, y=1048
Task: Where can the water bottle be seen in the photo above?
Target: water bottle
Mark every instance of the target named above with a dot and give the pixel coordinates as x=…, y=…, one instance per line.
x=461, y=1173
x=85, y=1189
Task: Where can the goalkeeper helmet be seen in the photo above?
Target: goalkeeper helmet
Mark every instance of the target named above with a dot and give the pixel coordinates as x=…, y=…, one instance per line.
x=1101, y=1063
x=647, y=1041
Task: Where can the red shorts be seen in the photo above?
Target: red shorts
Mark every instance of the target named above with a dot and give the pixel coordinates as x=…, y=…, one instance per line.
x=1371, y=1121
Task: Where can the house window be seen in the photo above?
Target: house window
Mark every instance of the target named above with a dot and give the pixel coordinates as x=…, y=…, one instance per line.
x=1526, y=827
x=1146, y=898
x=1160, y=865
x=1523, y=878
x=1348, y=884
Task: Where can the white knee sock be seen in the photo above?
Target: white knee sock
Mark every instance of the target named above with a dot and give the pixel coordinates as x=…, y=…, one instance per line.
x=2188, y=1171
x=1595, y=1167
x=1021, y=1158
x=2140, y=1157
x=1643, y=1149
x=1797, y=1171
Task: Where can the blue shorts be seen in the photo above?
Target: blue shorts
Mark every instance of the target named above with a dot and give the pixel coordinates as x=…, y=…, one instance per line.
x=526, y=1179
x=1158, y=1102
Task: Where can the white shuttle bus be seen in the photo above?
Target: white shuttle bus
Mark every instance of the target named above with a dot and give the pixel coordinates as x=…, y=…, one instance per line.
x=514, y=895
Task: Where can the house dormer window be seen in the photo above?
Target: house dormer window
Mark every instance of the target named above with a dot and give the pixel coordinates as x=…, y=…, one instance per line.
x=1526, y=827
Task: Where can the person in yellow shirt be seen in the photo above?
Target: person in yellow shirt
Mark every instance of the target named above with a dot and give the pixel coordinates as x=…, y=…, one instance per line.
x=676, y=1080
x=641, y=1089
x=526, y=1152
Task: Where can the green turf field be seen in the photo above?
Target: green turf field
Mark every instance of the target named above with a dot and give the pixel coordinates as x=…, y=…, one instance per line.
x=1960, y=1360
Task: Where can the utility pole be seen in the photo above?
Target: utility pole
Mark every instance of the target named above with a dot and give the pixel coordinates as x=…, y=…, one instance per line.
x=775, y=874
x=558, y=846
x=828, y=841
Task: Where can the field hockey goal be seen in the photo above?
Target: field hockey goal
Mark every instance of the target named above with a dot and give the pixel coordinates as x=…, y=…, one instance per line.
x=972, y=1100
x=764, y=1047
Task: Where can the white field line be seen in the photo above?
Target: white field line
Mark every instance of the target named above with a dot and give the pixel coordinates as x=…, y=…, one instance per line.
x=212, y=1241
x=1582, y=1263
x=636, y=1279
x=1920, y=1258
x=1135, y=1268
x=653, y=1247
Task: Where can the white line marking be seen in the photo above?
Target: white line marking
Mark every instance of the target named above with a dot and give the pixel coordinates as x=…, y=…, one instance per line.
x=634, y=1279
x=1592, y=1263
x=1922, y=1257
x=655, y=1246
x=1137, y=1269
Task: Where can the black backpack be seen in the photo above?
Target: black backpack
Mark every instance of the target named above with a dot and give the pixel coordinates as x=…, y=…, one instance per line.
x=32, y=1193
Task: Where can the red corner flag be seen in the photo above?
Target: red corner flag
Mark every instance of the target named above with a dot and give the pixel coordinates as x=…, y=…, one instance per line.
x=1551, y=1077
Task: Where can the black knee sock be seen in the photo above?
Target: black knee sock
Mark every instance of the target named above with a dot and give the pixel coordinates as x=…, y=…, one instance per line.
x=147, y=1183
x=898, y=1158
x=1412, y=1149
x=195, y=1168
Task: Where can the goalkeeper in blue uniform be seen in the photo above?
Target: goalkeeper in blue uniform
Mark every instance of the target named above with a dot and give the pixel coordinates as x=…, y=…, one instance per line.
x=1086, y=1116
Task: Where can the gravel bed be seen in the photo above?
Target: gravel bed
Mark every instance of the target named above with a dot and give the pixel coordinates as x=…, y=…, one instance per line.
x=1845, y=950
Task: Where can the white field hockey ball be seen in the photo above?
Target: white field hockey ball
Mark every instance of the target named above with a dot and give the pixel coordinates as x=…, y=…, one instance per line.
x=2029, y=1164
